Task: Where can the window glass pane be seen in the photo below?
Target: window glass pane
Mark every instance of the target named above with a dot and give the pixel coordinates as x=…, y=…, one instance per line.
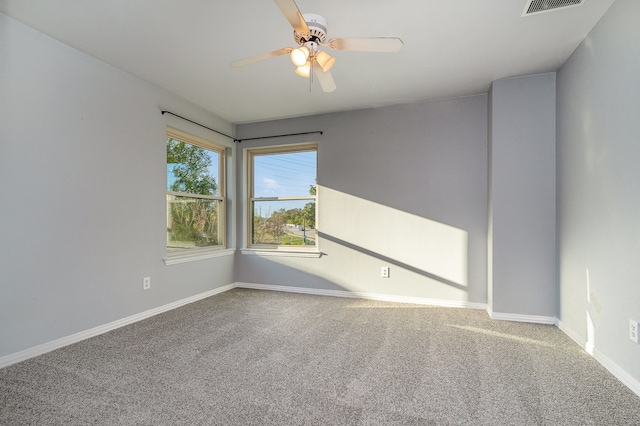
x=192, y=169
x=284, y=175
x=192, y=222
x=284, y=222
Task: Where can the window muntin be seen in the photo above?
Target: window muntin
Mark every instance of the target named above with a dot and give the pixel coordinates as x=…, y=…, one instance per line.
x=282, y=197
x=195, y=194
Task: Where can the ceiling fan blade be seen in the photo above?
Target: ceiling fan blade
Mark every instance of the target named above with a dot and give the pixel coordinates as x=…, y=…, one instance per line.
x=324, y=78
x=367, y=44
x=290, y=11
x=258, y=58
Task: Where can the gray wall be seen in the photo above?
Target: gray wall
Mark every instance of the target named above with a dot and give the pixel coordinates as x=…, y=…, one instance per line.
x=403, y=186
x=82, y=166
x=522, y=237
x=599, y=188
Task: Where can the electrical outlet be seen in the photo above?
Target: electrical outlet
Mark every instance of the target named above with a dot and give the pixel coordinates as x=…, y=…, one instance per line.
x=146, y=283
x=384, y=272
x=633, y=330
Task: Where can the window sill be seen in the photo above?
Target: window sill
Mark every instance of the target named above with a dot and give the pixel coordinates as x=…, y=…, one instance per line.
x=281, y=253
x=192, y=257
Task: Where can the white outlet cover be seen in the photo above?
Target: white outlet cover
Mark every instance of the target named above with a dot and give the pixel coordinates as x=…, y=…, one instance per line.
x=633, y=330
x=146, y=283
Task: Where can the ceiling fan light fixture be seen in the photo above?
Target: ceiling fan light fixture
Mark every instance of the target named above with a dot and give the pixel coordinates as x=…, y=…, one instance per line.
x=310, y=33
x=325, y=61
x=304, y=70
x=299, y=56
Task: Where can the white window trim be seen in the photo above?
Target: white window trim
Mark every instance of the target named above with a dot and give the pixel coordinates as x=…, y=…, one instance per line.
x=183, y=257
x=261, y=250
x=279, y=251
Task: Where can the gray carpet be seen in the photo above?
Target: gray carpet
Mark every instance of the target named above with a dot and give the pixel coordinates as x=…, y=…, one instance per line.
x=248, y=357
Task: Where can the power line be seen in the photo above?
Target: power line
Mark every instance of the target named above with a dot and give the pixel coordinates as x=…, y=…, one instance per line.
x=301, y=163
x=284, y=169
x=289, y=158
x=298, y=167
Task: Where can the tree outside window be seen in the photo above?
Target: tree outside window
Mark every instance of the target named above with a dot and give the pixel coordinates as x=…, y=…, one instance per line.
x=194, y=195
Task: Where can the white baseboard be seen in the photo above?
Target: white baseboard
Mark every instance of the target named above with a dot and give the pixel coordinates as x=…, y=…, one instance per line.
x=7, y=360
x=629, y=381
x=363, y=295
x=536, y=319
x=611, y=366
x=14, y=358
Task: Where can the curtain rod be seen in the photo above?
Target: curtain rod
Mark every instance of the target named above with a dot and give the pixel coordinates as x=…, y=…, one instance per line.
x=279, y=136
x=198, y=124
x=240, y=140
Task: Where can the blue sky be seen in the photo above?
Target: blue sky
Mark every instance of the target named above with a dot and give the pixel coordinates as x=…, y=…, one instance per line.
x=279, y=175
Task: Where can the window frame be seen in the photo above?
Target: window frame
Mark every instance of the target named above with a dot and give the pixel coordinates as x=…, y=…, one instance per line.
x=199, y=252
x=267, y=249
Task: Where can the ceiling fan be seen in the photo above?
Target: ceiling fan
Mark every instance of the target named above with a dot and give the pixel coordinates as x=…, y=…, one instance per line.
x=310, y=32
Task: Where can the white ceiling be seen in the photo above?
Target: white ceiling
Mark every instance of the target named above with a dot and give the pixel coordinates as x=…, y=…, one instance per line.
x=451, y=47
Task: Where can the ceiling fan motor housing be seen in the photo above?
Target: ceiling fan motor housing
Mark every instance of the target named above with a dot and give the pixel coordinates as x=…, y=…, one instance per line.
x=317, y=30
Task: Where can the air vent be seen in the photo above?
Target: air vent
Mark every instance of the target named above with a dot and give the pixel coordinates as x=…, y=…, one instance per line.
x=540, y=6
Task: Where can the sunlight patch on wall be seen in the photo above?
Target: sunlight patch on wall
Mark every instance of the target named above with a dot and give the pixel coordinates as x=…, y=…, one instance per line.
x=591, y=333
x=433, y=247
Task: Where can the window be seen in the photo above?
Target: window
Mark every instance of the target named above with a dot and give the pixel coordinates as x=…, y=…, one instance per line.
x=195, y=194
x=282, y=197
